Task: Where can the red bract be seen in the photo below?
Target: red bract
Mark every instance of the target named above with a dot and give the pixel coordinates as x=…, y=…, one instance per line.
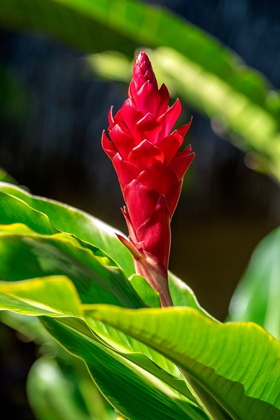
x=150, y=168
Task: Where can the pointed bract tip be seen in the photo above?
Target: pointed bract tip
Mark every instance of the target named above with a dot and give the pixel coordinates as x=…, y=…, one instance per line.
x=142, y=58
x=134, y=251
x=142, y=67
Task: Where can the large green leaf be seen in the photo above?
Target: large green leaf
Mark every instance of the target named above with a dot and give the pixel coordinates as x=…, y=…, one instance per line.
x=238, y=363
x=258, y=295
x=163, y=331
x=135, y=393
x=87, y=228
x=52, y=296
x=61, y=254
x=142, y=355
x=57, y=297
x=14, y=210
x=68, y=219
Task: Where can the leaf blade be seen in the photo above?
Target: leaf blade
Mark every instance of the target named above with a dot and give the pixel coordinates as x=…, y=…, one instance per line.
x=250, y=389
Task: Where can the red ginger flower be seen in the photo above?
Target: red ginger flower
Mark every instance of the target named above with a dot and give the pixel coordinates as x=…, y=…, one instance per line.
x=150, y=169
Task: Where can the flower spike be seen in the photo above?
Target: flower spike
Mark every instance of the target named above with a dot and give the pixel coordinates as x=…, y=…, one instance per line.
x=150, y=168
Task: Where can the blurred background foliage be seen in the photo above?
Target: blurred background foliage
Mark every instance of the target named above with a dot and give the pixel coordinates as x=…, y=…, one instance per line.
x=63, y=63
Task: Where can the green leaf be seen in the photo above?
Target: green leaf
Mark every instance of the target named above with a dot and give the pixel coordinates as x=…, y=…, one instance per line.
x=258, y=295
x=140, y=354
x=57, y=296
x=145, y=291
x=52, y=296
x=83, y=24
x=70, y=220
x=182, y=294
x=40, y=255
x=14, y=210
x=87, y=228
x=49, y=256
x=122, y=383
x=237, y=364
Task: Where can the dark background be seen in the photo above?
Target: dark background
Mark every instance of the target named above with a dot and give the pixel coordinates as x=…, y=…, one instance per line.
x=53, y=147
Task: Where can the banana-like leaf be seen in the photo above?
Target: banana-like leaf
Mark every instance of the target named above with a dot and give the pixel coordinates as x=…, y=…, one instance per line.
x=41, y=255
x=136, y=394
x=56, y=296
x=228, y=342
x=258, y=295
x=245, y=382
x=220, y=377
x=86, y=228
x=145, y=291
x=45, y=296
x=52, y=296
x=238, y=363
x=70, y=220
x=14, y=210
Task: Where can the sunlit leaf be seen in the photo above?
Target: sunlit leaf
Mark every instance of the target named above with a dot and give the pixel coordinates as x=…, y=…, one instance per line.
x=128, y=386
x=238, y=364
x=52, y=296
x=57, y=297
x=41, y=255
x=87, y=228
x=68, y=219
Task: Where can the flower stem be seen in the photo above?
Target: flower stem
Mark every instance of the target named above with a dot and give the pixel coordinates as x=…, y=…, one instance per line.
x=165, y=298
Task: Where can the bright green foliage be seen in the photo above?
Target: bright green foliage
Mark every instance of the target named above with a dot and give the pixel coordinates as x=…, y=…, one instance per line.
x=180, y=362
x=87, y=230
x=145, y=291
x=258, y=295
x=68, y=269
x=77, y=338
x=128, y=386
x=219, y=357
x=34, y=297
x=68, y=219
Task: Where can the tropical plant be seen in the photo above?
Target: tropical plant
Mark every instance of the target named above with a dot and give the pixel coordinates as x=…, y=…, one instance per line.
x=72, y=272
